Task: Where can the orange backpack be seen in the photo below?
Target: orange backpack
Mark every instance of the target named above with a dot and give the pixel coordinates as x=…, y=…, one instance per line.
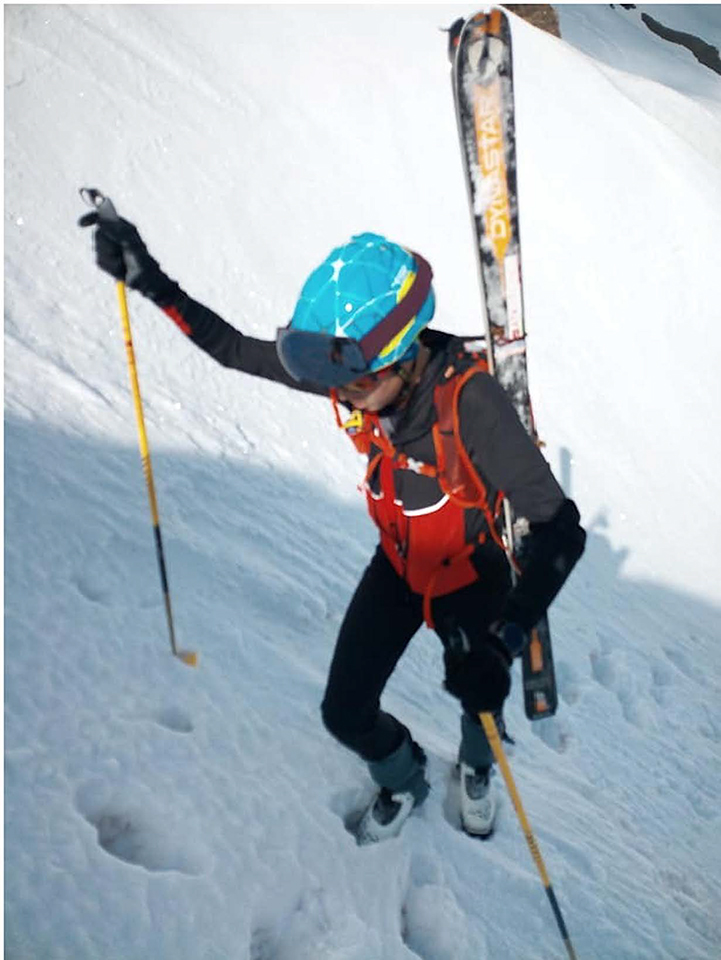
x=454, y=469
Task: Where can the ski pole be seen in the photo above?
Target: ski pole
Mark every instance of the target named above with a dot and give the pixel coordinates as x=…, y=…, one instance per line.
x=187, y=656
x=491, y=730
x=96, y=199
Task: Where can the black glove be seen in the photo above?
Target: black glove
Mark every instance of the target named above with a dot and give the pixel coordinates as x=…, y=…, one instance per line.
x=546, y=557
x=120, y=251
x=480, y=676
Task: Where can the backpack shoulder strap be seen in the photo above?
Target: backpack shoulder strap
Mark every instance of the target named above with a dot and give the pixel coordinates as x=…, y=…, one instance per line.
x=457, y=473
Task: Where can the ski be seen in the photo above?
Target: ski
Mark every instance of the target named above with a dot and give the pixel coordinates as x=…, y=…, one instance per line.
x=482, y=73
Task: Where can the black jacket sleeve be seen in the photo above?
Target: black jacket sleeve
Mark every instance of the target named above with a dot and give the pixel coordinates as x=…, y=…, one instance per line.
x=507, y=457
x=503, y=452
x=224, y=343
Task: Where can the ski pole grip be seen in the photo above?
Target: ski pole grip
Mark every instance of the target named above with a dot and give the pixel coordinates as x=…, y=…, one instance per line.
x=104, y=205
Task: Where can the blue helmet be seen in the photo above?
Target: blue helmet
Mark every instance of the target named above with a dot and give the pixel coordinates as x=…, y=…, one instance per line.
x=349, y=296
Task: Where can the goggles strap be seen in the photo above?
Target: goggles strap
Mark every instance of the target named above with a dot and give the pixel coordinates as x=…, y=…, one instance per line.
x=403, y=312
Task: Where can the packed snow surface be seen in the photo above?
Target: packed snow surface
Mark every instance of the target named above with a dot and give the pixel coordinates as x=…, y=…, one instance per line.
x=155, y=810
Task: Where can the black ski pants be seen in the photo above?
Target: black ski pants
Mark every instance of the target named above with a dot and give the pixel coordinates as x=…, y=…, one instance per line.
x=382, y=618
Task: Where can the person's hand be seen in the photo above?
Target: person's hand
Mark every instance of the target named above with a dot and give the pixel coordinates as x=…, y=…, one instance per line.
x=119, y=249
x=479, y=676
x=121, y=252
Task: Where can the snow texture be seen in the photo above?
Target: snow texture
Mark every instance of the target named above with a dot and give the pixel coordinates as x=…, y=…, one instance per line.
x=154, y=810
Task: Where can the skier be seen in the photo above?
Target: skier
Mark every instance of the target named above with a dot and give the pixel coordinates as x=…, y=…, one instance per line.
x=359, y=336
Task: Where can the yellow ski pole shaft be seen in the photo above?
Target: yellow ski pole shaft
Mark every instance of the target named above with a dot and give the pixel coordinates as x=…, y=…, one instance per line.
x=189, y=657
x=491, y=730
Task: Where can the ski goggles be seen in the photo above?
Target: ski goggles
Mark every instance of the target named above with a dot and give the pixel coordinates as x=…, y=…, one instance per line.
x=331, y=361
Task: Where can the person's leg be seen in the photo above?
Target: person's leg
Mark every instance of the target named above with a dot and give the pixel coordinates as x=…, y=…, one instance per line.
x=380, y=621
x=463, y=618
x=472, y=610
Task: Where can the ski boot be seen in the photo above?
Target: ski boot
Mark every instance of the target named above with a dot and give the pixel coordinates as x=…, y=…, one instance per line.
x=403, y=787
x=478, y=801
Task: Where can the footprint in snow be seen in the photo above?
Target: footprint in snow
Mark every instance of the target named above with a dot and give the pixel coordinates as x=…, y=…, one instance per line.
x=92, y=590
x=613, y=671
x=175, y=719
x=132, y=826
x=169, y=717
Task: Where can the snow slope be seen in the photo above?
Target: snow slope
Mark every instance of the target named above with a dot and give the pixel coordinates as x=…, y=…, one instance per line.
x=152, y=810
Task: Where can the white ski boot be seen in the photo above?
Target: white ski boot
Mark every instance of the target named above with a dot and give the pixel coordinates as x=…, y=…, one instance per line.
x=403, y=786
x=478, y=801
x=385, y=817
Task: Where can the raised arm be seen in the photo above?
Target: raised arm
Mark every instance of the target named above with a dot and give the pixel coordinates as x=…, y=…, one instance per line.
x=121, y=252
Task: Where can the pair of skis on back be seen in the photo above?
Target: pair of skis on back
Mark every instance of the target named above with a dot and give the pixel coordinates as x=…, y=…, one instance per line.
x=482, y=73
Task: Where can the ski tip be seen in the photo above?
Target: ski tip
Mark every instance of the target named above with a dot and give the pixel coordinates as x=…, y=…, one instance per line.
x=454, y=36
